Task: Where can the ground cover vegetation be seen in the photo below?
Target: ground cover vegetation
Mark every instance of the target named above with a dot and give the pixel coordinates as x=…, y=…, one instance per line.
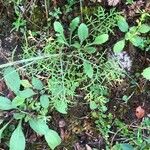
x=75, y=75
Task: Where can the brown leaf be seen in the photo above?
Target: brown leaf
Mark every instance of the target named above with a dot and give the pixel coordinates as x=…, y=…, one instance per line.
x=140, y=112
x=113, y=2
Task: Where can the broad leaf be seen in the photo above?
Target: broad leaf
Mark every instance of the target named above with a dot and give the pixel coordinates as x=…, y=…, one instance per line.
x=12, y=79
x=83, y=32
x=39, y=126
x=119, y=46
x=144, y=28
x=61, y=106
x=122, y=24
x=17, y=101
x=58, y=27
x=146, y=73
x=90, y=50
x=52, y=138
x=101, y=39
x=26, y=84
x=26, y=93
x=37, y=83
x=17, y=140
x=74, y=23
x=5, y=103
x=137, y=41
x=44, y=100
x=88, y=69
x=126, y=146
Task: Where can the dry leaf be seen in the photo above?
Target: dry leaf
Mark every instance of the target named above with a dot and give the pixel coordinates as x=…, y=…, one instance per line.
x=113, y=2
x=88, y=147
x=140, y=112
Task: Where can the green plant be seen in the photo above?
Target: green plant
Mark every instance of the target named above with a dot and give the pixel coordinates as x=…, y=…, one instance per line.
x=132, y=34
x=29, y=105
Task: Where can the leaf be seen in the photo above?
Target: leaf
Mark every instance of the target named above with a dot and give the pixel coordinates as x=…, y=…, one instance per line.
x=113, y=2
x=12, y=79
x=3, y=128
x=17, y=101
x=74, y=23
x=26, y=93
x=26, y=84
x=119, y=46
x=88, y=69
x=122, y=24
x=52, y=138
x=44, y=100
x=5, y=103
x=58, y=27
x=137, y=41
x=144, y=28
x=17, y=140
x=140, y=112
x=83, y=32
x=91, y=50
x=39, y=126
x=146, y=73
x=126, y=146
x=61, y=106
x=101, y=39
x=37, y=83
x=93, y=105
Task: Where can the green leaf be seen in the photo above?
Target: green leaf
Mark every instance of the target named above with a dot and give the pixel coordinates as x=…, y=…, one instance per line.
x=5, y=103
x=52, y=138
x=144, y=28
x=17, y=101
x=37, y=83
x=39, y=126
x=119, y=46
x=26, y=93
x=93, y=105
x=101, y=39
x=26, y=84
x=88, y=69
x=83, y=32
x=137, y=41
x=126, y=147
x=90, y=50
x=58, y=27
x=17, y=140
x=146, y=73
x=61, y=106
x=3, y=128
x=18, y=116
x=44, y=100
x=74, y=23
x=12, y=79
x=122, y=24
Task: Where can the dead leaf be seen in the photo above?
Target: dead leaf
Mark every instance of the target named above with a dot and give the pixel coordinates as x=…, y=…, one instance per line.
x=88, y=147
x=140, y=112
x=113, y=2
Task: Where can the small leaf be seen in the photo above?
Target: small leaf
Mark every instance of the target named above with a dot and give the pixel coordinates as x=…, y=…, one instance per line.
x=90, y=50
x=18, y=116
x=12, y=79
x=39, y=126
x=17, y=101
x=101, y=39
x=144, y=28
x=93, y=105
x=52, y=138
x=83, y=32
x=37, y=83
x=26, y=93
x=58, y=27
x=44, y=100
x=74, y=23
x=126, y=146
x=137, y=41
x=26, y=84
x=17, y=140
x=122, y=24
x=146, y=73
x=61, y=106
x=88, y=69
x=119, y=46
x=5, y=103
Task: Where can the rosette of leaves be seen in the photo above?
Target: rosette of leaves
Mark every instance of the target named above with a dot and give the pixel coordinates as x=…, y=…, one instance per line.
x=19, y=104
